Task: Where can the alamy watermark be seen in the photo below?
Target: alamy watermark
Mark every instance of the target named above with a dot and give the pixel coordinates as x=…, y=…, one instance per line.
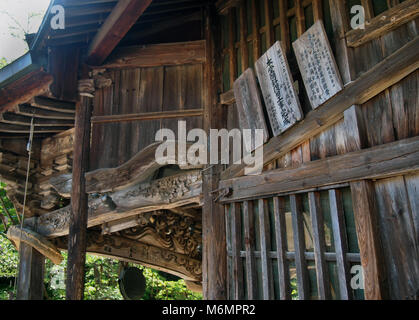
x=58, y=18
x=358, y=18
x=214, y=149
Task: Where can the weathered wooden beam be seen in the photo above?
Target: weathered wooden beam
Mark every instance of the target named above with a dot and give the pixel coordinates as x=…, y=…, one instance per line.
x=116, y=26
x=30, y=111
x=157, y=55
x=148, y=116
x=36, y=241
x=23, y=120
x=392, y=159
x=166, y=193
x=382, y=76
x=79, y=202
x=214, y=261
x=52, y=147
x=12, y=128
x=370, y=247
x=128, y=250
x=54, y=105
x=137, y=169
x=383, y=23
x=30, y=282
x=24, y=89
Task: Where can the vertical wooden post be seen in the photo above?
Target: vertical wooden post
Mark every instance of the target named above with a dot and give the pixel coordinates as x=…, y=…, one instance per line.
x=79, y=201
x=30, y=285
x=214, y=262
x=366, y=221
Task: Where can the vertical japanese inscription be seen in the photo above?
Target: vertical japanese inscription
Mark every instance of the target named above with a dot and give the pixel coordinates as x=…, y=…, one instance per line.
x=249, y=104
x=317, y=65
x=275, y=78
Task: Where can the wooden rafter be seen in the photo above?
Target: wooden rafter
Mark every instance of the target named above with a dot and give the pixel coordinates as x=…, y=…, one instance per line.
x=116, y=26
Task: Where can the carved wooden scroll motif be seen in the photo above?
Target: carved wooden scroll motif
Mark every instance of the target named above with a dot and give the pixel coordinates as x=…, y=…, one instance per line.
x=278, y=91
x=317, y=65
x=249, y=104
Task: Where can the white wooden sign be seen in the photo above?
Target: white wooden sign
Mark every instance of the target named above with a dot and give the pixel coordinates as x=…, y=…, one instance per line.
x=317, y=65
x=281, y=99
x=249, y=104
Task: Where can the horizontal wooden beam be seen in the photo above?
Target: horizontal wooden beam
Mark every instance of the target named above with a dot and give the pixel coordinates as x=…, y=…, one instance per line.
x=383, y=23
x=148, y=116
x=116, y=26
x=224, y=5
x=54, y=105
x=137, y=169
x=379, y=162
x=163, y=194
x=128, y=250
x=36, y=241
x=24, y=120
x=28, y=110
x=10, y=128
x=382, y=76
x=157, y=55
x=24, y=89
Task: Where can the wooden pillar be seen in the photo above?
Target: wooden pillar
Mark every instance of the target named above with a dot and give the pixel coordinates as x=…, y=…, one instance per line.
x=30, y=284
x=79, y=199
x=214, y=262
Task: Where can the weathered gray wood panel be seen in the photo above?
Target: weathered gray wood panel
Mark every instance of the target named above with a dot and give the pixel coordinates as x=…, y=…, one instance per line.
x=317, y=65
x=249, y=104
x=281, y=99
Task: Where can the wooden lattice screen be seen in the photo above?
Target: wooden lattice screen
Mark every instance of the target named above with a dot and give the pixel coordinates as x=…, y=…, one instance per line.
x=294, y=246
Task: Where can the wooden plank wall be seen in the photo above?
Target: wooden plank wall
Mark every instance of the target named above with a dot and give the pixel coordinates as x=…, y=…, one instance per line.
x=390, y=116
x=142, y=90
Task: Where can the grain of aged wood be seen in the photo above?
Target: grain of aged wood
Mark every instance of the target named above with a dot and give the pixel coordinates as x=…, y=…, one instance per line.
x=166, y=193
x=265, y=246
x=378, y=162
x=153, y=55
x=36, y=241
x=317, y=65
x=151, y=256
x=340, y=242
x=281, y=100
x=249, y=242
x=115, y=27
x=382, y=76
x=236, y=241
x=383, y=23
x=281, y=245
x=30, y=284
x=370, y=246
x=299, y=246
x=79, y=202
x=249, y=105
x=317, y=221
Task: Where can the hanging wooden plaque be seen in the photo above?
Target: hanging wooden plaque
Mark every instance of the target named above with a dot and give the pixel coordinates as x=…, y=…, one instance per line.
x=249, y=104
x=281, y=99
x=317, y=65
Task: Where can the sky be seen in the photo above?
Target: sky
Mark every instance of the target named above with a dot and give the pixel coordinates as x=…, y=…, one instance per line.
x=10, y=47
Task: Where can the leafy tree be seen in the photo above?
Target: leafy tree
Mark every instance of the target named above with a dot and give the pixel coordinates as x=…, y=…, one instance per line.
x=3, y=62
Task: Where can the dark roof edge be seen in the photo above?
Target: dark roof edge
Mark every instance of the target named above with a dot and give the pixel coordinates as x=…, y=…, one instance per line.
x=20, y=67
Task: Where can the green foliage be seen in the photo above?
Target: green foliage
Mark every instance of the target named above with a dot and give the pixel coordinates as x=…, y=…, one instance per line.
x=3, y=62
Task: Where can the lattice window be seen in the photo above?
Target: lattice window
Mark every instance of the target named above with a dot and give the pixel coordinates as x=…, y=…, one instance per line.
x=298, y=246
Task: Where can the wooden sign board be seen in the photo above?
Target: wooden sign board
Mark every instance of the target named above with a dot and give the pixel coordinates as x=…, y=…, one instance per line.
x=277, y=85
x=249, y=105
x=317, y=65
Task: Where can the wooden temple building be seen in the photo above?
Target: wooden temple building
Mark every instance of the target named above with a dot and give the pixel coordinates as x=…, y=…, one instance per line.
x=339, y=107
